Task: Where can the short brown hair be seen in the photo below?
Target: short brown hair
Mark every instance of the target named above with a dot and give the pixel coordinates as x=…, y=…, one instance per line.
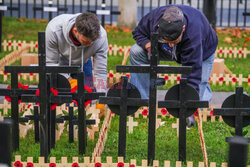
x=88, y=25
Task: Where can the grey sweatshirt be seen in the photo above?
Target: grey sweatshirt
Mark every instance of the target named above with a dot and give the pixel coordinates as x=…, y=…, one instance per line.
x=60, y=50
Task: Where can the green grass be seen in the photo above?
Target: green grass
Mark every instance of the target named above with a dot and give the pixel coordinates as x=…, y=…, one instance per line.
x=166, y=147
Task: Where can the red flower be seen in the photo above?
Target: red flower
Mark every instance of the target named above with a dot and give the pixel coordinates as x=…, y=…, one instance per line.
x=19, y=44
x=248, y=80
x=128, y=75
x=178, y=78
x=196, y=113
x=8, y=98
x=166, y=78
x=18, y=164
x=53, y=106
x=209, y=78
x=110, y=47
x=29, y=106
x=29, y=164
x=36, y=45
x=120, y=50
x=4, y=73
x=164, y=111
x=120, y=164
x=9, y=44
x=111, y=75
x=145, y=112
x=98, y=164
x=230, y=51
x=221, y=79
x=37, y=92
x=75, y=164
x=211, y=112
x=31, y=74
x=132, y=165
x=221, y=51
x=240, y=51
x=234, y=79
x=52, y=165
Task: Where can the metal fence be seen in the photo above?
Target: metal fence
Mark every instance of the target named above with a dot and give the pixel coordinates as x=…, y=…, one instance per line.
x=234, y=13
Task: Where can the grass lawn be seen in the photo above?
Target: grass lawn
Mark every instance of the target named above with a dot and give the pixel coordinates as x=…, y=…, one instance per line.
x=166, y=147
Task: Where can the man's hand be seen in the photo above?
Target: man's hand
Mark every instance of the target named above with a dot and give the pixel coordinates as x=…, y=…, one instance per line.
x=73, y=82
x=148, y=48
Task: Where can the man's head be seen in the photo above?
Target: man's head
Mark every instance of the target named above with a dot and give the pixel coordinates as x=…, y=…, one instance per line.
x=171, y=25
x=86, y=28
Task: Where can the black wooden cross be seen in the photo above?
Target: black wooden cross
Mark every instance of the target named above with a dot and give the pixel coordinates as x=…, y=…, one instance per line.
x=123, y=99
x=182, y=101
x=235, y=111
x=153, y=69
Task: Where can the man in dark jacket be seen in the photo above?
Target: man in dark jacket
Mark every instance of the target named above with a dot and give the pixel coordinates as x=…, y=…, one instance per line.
x=186, y=37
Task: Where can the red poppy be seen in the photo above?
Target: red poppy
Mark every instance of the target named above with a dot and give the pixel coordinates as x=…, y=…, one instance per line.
x=110, y=47
x=9, y=44
x=178, y=78
x=166, y=78
x=221, y=79
x=212, y=112
x=221, y=51
x=36, y=45
x=145, y=112
x=98, y=164
x=18, y=164
x=19, y=44
x=4, y=73
x=128, y=75
x=209, y=78
x=120, y=50
x=29, y=164
x=120, y=164
x=234, y=79
x=75, y=164
x=31, y=74
x=240, y=51
x=132, y=165
x=248, y=80
x=111, y=75
x=164, y=111
x=196, y=113
x=230, y=51
x=29, y=106
x=52, y=165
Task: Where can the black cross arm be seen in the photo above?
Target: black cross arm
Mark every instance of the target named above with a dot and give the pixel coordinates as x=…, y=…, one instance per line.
x=61, y=99
x=20, y=119
x=169, y=104
x=157, y=69
x=177, y=104
x=88, y=96
x=5, y=92
x=88, y=121
x=30, y=98
x=129, y=102
x=196, y=104
x=37, y=69
x=9, y=92
x=229, y=139
x=232, y=111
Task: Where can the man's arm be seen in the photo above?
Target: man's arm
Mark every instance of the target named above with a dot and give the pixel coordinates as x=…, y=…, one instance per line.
x=100, y=65
x=192, y=56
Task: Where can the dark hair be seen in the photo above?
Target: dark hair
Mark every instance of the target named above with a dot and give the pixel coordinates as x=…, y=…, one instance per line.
x=173, y=13
x=88, y=25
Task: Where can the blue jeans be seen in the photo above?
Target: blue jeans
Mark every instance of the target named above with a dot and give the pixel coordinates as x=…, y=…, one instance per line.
x=88, y=75
x=139, y=56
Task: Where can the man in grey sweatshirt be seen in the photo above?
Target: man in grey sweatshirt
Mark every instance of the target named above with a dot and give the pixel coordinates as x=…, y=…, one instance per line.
x=72, y=39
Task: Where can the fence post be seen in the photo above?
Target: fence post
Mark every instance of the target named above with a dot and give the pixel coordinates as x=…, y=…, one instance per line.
x=127, y=18
x=209, y=9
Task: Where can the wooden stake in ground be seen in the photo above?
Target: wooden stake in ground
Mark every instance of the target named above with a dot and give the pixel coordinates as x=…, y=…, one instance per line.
x=202, y=139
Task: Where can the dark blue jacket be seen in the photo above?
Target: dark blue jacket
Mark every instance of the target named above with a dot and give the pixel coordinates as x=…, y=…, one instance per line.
x=199, y=40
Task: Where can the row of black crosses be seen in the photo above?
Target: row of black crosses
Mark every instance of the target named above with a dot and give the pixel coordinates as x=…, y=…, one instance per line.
x=47, y=119
x=181, y=101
